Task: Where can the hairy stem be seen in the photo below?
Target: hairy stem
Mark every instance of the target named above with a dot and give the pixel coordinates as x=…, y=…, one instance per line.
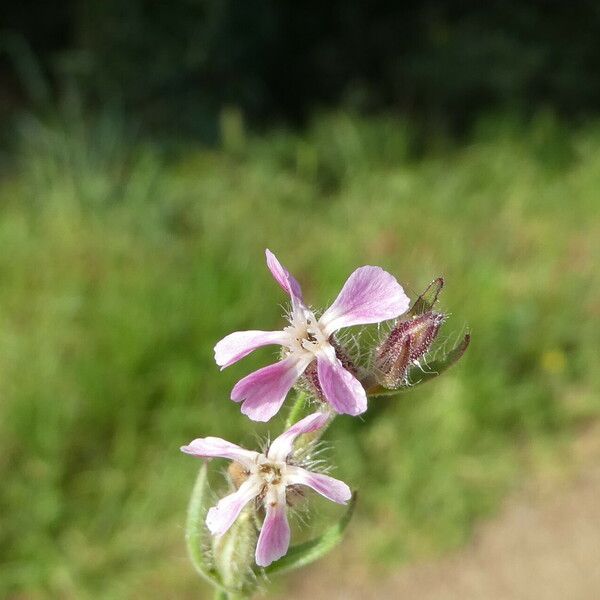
x=296, y=410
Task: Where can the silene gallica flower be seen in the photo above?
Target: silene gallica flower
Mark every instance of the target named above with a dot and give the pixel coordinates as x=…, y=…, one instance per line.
x=270, y=480
x=370, y=295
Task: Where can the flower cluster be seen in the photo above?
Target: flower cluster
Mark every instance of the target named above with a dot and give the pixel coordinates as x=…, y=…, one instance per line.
x=314, y=356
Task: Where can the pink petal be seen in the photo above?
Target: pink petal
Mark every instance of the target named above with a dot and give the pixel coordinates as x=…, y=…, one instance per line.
x=282, y=445
x=222, y=516
x=239, y=344
x=333, y=489
x=283, y=277
x=274, y=538
x=264, y=391
x=213, y=447
x=369, y=295
x=341, y=389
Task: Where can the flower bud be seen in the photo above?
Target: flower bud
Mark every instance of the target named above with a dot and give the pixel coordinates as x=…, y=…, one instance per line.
x=408, y=342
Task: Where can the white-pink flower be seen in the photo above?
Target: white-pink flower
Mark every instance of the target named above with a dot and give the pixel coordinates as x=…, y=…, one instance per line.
x=267, y=478
x=370, y=295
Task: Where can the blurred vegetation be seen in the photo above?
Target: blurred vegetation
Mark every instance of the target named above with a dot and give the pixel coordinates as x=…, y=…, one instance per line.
x=177, y=64
x=121, y=267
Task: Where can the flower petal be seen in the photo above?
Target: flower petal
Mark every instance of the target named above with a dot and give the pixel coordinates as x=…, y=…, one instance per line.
x=274, y=538
x=264, y=391
x=333, y=489
x=369, y=295
x=213, y=447
x=239, y=344
x=282, y=445
x=341, y=389
x=222, y=516
x=283, y=278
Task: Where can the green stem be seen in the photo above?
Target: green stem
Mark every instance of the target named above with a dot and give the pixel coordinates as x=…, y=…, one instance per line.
x=296, y=410
x=305, y=440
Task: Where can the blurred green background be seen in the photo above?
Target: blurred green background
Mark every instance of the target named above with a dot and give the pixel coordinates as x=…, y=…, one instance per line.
x=150, y=154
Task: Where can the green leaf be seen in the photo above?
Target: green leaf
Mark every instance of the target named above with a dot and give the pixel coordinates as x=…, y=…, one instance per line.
x=379, y=391
x=427, y=299
x=437, y=367
x=195, y=529
x=306, y=553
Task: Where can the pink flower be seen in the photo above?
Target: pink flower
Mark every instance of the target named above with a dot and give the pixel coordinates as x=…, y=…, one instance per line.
x=370, y=295
x=267, y=479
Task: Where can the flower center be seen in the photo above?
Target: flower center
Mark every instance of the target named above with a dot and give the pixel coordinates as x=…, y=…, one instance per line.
x=271, y=473
x=306, y=334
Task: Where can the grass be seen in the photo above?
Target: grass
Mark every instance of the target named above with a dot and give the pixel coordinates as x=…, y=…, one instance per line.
x=121, y=267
